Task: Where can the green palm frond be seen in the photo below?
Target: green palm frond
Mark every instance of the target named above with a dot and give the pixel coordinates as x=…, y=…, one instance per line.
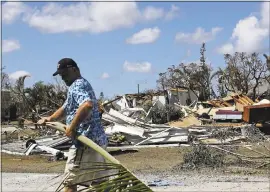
x=119, y=179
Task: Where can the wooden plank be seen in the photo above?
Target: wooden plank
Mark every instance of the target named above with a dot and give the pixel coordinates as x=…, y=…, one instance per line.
x=256, y=113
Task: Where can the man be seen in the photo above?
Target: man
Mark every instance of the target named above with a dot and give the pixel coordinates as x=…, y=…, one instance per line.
x=82, y=117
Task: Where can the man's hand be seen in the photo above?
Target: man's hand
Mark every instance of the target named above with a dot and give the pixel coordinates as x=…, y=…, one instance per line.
x=43, y=120
x=69, y=131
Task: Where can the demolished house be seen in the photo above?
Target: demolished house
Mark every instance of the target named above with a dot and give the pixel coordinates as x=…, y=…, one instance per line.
x=171, y=96
x=128, y=123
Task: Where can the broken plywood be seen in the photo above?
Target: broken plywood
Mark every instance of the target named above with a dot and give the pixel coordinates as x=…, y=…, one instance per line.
x=186, y=122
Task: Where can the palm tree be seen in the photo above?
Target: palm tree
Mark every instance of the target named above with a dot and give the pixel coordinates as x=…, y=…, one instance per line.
x=123, y=179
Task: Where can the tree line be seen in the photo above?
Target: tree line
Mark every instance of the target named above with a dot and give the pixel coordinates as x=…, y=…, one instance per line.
x=243, y=73
x=35, y=99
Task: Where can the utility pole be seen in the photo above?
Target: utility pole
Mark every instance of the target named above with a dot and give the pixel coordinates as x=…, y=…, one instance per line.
x=138, y=84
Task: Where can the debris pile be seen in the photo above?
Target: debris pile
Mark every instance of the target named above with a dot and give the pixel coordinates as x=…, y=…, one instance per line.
x=203, y=156
x=156, y=120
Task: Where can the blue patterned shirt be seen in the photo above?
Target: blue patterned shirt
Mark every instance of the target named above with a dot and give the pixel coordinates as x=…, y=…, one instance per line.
x=79, y=92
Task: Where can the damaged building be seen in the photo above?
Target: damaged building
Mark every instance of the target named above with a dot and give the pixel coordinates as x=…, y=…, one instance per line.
x=128, y=124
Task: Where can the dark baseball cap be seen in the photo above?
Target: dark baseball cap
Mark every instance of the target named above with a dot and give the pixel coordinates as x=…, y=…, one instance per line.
x=64, y=64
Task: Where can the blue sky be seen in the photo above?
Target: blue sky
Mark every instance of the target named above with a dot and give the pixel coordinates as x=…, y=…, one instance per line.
x=118, y=45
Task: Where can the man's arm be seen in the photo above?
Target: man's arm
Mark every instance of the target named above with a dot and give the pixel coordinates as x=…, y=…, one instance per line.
x=57, y=114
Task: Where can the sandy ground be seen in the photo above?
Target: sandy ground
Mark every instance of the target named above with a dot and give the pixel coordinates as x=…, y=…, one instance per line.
x=157, y=167
x=148, y=160
x=144, y=160
x=49, y=182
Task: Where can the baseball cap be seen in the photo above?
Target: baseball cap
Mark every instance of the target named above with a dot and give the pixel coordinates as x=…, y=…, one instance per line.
x=65, y=63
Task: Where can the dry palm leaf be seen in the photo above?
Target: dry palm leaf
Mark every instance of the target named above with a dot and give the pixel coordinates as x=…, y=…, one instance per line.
x=123, y=179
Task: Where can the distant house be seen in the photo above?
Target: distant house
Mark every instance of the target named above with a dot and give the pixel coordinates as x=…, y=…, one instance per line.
x=182, y=96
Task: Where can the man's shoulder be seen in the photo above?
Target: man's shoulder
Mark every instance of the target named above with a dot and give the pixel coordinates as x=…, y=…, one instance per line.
x=81, y=83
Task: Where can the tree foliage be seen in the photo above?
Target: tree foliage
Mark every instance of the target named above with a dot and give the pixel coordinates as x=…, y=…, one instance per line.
x=193, y=76
x=243, y=73
x=34, y=98
x=4, y=79
x=267, y=61
x=47, y=96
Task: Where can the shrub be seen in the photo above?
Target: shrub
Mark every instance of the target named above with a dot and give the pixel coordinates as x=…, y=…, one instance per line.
x=159, y=114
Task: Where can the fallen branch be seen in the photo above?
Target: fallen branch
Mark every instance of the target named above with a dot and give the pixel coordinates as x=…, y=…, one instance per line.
x=130, y=181
x=265, y=155
x=239, y=155
x=263, y=165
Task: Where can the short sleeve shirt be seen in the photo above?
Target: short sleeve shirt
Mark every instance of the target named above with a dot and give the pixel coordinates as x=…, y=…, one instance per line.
x=79, y=92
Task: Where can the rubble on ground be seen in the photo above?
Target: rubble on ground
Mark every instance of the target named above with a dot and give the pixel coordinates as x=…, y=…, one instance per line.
x=141, y=120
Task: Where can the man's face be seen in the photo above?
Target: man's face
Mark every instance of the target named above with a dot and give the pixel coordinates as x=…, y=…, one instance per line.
x=66, y=76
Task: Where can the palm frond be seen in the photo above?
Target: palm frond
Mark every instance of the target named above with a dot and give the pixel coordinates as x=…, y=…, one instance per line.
x=121, y=179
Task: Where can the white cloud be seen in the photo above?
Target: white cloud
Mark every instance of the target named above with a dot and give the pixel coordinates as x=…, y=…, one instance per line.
x=148, y=35
x=10, y=45
x=172, y=13
x=93, y=17
x=143, y=67
x=12, y=11
x=198, y=37
x=250, y=33
x=105, y=76
x=265, y=14
x=226, y=49
x=16, y=75
x=152, y=13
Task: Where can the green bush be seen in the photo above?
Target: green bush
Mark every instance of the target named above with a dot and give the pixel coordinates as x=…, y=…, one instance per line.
x=159, y=114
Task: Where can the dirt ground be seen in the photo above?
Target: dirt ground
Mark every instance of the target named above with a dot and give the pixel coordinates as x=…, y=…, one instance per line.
x=160, y=168
x=151, y=160
x=144, y=160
